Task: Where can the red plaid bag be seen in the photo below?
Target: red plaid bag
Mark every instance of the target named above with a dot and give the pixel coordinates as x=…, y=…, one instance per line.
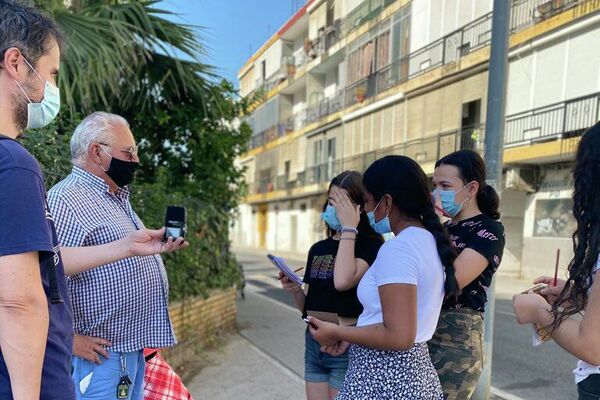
x=161, y=382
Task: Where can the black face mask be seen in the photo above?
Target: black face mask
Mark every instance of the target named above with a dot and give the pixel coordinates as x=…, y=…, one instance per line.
x=121, y=172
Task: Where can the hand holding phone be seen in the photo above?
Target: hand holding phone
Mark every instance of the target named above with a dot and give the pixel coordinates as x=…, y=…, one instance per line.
x=307, y=320
x=175, y=225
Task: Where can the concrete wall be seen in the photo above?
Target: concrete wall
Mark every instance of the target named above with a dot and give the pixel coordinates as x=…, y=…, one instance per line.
x=512, y=206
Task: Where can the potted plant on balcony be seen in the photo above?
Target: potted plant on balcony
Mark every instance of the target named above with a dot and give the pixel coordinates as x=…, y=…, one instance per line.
x=361, y=93
x=291, y=69
x=309, y=47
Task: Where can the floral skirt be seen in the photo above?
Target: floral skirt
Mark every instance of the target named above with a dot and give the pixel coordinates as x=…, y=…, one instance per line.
x=390, y=375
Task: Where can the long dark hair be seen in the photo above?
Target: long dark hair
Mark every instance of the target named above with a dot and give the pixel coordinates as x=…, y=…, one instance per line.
x=471, y=168
x=352, y=182
x=404, y=180
x=586, y=239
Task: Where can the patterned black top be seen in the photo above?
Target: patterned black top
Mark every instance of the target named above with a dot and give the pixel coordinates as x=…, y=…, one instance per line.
x=486, y=236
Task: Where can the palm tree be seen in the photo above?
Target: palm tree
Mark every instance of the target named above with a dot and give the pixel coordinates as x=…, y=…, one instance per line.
x=126, y=56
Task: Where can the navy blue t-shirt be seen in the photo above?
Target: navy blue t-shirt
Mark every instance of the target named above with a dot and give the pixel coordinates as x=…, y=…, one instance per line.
x=25, y=226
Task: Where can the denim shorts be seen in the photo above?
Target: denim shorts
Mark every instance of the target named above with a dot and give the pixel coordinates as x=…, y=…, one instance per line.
x=589, y=389
x=322, y=367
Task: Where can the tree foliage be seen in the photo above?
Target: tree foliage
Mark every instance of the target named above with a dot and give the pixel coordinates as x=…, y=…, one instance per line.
x=130, y=58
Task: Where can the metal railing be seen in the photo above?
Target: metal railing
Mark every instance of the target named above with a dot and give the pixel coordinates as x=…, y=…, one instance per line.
x=528, y=12
x=364, y=13
x=450, y=48
x=293, y=123
x=323, y=173
x=423, y=150
x=565, y=119
x=327, y=37
x=325, y=107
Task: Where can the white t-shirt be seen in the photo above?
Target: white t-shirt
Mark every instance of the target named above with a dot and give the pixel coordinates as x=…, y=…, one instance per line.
x=584, y=369
x=411, y=258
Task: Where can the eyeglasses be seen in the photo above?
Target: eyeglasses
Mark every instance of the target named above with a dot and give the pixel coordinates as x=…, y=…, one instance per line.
x=131, y=152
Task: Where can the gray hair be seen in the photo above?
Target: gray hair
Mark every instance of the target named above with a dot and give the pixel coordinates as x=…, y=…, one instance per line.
x=27, y=29
x=95, y=128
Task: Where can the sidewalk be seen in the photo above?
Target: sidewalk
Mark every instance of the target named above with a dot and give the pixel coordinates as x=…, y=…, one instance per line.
x=242, y=371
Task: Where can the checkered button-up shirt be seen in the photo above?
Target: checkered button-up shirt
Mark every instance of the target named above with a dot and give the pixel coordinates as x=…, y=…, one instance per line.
x=125, y=302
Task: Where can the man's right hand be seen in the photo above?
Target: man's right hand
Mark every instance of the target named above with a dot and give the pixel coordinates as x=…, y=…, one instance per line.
x=289, y=285
x=90, y=348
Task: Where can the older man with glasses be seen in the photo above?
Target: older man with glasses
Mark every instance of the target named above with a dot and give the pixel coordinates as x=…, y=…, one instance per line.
x=122, y=307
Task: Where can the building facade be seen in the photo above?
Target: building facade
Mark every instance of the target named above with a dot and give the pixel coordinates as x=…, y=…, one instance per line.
x=349, y=81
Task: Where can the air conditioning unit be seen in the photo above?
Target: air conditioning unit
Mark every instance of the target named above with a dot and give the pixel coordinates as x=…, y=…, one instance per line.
x=522, y=179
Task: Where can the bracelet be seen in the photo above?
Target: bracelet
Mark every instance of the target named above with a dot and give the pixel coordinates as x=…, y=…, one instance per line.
x=349, y=230
x=347, y=238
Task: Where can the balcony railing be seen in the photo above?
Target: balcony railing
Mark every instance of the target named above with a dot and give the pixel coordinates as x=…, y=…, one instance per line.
x=323, y=173
x=528, y=12
x=423, y=150
x=293, y=123
x=325, y=107
x=328, y=36
x=364, y=13
x=565, y=119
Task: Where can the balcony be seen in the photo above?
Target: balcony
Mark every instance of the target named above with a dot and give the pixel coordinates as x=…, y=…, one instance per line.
x=451, y=47
x=328, y=36
x=424, y=150
x=325, y=107
x=291, y=124
x=527, y=12
x=561, y=120
x=364, y=13
x=323, y=173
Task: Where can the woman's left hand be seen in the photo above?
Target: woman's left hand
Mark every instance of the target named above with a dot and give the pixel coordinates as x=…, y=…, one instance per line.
x=323, y=332
x=528, y=308
x=347, y=212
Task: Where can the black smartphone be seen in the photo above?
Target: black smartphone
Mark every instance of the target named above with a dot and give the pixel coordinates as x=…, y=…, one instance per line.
x=175, y=225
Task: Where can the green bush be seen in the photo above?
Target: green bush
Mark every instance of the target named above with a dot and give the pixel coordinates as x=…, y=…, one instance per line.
x=207, y=262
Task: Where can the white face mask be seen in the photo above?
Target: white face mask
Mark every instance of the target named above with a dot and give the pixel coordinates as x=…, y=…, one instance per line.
x=43, y=113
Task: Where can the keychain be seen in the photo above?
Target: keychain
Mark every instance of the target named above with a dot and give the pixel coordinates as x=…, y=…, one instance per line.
x=125, y=382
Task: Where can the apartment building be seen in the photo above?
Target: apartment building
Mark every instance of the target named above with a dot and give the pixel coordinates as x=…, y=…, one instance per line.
x=349, y=81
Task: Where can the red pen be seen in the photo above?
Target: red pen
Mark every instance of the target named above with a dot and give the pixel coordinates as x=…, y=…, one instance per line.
x=555, y=282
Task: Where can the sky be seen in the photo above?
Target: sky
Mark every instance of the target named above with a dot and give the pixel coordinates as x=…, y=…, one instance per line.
x=233, y=29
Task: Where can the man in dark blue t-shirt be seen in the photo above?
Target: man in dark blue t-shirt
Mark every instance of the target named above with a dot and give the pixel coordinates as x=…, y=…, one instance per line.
x=36, y=322
x=35, y=313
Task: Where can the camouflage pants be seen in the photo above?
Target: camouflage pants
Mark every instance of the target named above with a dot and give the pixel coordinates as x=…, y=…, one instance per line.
x=456, y=350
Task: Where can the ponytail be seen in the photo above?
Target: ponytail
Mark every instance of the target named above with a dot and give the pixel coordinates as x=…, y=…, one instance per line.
x=446, y=251
x=488, y=201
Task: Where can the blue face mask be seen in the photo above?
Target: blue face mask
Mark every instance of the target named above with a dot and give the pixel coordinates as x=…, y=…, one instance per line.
x=331, y=219
x=448, y=198
x=382, y=227
x=41, y=114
